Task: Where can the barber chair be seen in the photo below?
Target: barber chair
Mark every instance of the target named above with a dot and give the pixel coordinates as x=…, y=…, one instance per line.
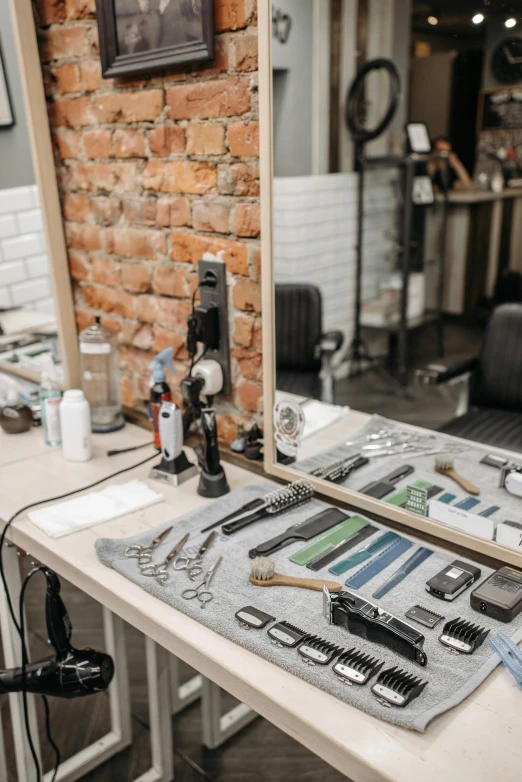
x=304, y=354
x=490, y=405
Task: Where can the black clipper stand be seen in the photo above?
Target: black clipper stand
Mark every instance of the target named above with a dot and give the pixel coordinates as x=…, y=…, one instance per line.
x=213, y=481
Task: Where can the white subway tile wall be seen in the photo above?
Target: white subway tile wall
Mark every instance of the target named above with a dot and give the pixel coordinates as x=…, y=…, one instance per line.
x=24, y=268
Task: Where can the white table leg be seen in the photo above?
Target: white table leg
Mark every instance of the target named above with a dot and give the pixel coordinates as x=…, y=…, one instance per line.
x=13, y=658
x=3, y=767
x=182, y=695
x=218, y=727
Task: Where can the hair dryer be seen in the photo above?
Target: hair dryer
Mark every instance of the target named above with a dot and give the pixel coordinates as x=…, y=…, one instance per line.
x=71, y=673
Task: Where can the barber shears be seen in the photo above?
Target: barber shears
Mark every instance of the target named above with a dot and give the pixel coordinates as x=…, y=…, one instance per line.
x=194, y=565
x=144, y=553
x=202, y=592
x=159, y=572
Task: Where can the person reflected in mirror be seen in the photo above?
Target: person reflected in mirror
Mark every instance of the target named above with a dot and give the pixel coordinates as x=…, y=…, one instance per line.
x=450, y=175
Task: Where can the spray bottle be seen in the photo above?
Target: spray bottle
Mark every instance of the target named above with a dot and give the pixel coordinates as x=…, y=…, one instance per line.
x=160, y=389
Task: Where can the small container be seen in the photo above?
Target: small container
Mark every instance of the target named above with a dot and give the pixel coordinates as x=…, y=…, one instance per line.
x=50, y=396
x=101, y=377
x=15, y=417
x=75, y=418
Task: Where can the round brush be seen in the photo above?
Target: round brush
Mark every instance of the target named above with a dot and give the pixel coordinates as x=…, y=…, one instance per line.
x=444, y=466
x=262, y=573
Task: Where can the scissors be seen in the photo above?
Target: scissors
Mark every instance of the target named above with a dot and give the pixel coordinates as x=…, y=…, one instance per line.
x=201, y=591
x=194, y=565
x=144, y=553
x=159, y=572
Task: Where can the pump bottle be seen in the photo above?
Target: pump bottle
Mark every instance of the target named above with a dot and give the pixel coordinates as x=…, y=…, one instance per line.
x=160, y=389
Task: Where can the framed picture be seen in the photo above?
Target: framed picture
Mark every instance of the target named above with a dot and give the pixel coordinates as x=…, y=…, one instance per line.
x=6, y=112
x=138, y=36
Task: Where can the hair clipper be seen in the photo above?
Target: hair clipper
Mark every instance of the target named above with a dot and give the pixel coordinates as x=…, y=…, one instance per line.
x=213, y=481
x=174, y=467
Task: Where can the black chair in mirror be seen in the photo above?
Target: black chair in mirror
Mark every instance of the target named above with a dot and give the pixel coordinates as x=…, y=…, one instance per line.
x=490, y=406
x=304, y=354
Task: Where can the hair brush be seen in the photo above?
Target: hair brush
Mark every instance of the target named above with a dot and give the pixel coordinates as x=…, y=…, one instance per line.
x=444, y=466
x=276, y=502
x=262, y=573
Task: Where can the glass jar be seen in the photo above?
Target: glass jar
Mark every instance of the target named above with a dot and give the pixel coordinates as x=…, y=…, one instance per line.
x=101, y=377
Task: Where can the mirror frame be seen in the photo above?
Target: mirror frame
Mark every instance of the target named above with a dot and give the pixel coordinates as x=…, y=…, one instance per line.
x=42, y=155
x=358, y=501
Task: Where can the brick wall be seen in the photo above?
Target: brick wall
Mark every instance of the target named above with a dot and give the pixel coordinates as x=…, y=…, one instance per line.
x=153, y=172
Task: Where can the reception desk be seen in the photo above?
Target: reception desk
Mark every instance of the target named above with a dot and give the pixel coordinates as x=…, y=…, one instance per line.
x=483, y=238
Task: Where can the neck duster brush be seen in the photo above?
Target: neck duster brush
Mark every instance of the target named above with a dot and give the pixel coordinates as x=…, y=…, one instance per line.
x=262, y=573
x=444, y=466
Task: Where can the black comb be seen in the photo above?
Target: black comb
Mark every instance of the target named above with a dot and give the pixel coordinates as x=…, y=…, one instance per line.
x=285, y=634
x=463, y=637
x=316, y=650
x=396, y=687
x=355, y=667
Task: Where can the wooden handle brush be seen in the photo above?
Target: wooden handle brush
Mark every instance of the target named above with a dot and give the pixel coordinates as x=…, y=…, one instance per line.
x=444, y=466
x=262, y=574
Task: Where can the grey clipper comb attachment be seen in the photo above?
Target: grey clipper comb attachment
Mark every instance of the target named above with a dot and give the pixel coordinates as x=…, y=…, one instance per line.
x=284, y=634
x=251, y=617
x=396, y=687
x=462, y=637
x=355, y=667
x=316, y=651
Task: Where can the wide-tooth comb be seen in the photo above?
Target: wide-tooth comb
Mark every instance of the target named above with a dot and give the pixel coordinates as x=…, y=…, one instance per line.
x=315, y=649
x=288, y=496
x=356, y=667
x=462, y=636
x=395, y=687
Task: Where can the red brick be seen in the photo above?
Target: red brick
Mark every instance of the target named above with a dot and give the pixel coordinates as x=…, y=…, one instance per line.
x=206, y=139
x=220, y=62
x=170, y=281
x=222, y=98
x=129, y=328
x=257, y=262
x=73, y=112
x=136, y=243
x=211, y=216
x=166, y=140
x=227, y=427
x=246, y=295
x=84, y=319
x=129, y=143
x=128, y=391
x=90, y=74
x=109, y=300
x=51, y=11
x=171, y=313
x=238, y=179
x=136, y=278
x=97, y=143
x=248, y=395
x=189, y=248
x=250, y=363
x=229, y=15
x=143, y=338
x=140, y=210
x=106, y=211
x=106, y=272
x=79, y=266
x=248, y=220
x=64, y=42
x=67, y=78
x=134, y=360
x=112, y=323
x=258, y=334
x=180, y=177
x=83, y=237
x=81, y=9
x=169, y=339
x=173, y=211
x=76, y=207
x=120, y=177
x=68, y=143
x=246, y=53
x=244, y=330
x=142, y=106
x=243, y=139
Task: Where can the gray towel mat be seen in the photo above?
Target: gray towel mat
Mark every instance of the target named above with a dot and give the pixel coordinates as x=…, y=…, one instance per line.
x=450, y=678
x=466, y=463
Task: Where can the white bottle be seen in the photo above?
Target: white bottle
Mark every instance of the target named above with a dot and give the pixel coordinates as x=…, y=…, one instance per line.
x=75, y=418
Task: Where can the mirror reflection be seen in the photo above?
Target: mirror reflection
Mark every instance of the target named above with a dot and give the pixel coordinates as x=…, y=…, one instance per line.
x=397, y=205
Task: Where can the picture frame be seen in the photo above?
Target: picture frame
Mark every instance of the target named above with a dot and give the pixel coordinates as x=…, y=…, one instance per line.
x=6, y=110
x=143, y=36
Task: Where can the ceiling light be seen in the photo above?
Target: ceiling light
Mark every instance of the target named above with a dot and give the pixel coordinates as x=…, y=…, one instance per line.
x=433, y=20
x=510, y=22
x=477, y=19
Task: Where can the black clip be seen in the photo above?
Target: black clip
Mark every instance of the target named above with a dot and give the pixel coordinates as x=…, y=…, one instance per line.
x=462, y=637
x=355, y=667
x=396, y=687
x=315, y=650
x=285, y=634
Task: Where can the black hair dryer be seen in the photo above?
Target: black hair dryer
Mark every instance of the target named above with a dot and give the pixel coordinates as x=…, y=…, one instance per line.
x=71, y=673
x=213, y=481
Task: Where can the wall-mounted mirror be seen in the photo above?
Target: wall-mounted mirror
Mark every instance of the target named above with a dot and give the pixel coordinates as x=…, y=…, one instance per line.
x=393, y=258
